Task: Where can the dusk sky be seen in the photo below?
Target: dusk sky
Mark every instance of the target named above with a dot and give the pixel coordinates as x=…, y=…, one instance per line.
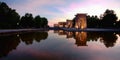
x=60, y=10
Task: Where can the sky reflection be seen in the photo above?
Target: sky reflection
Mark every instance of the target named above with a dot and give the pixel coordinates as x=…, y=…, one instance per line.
x=58, y=46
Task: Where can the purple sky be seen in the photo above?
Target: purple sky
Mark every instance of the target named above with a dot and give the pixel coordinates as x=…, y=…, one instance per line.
x=60, y=10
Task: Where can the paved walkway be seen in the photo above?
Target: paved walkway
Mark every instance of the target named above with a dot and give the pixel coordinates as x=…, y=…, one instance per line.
x=90, y=29
x=19, y=30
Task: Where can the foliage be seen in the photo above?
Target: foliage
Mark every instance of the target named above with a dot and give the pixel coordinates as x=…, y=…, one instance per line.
x=118, y=24
x=93, y=21
x=40, y=22
x=9, y=18
x=27, y=21
x=109, y=19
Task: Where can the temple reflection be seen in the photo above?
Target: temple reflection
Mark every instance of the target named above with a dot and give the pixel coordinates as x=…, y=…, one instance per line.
x=81, y=38
x=69, y=34
x=61, y=32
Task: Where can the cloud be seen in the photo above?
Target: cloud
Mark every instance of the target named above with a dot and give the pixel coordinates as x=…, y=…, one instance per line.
x=35, y=7
x=92, y=7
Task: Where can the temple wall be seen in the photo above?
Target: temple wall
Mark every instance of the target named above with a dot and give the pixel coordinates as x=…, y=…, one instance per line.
x=80, y=21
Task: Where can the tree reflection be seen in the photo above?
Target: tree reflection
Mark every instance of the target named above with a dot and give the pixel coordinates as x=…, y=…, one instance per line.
x=8, y=43
x=109, y=39
x=28, y=38
x=93, y=36
x=81, y=38
x=41, y=36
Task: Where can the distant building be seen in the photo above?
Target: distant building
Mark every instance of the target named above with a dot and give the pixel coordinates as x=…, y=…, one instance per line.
x=80, y=21
x=61, y=24
x=56, y=25
x=69, y=24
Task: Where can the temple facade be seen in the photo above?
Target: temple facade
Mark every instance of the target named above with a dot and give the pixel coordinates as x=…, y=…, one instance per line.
x=80, y=21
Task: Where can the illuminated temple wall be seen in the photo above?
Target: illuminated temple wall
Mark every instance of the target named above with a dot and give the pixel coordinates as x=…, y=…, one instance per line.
x=69, y=24
x=80, y=21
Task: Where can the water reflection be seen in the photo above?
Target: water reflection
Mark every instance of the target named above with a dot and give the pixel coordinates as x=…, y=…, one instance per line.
x=54, y=47
x=28, y=38
x=10, y=42
x=81, y=38
x=109, y=39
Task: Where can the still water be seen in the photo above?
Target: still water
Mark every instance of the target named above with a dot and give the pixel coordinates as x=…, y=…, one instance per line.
x=60, y=45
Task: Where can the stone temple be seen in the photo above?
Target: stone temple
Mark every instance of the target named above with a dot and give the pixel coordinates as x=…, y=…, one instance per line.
x=79, y=22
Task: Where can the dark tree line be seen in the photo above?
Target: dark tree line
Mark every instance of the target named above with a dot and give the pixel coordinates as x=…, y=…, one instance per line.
x=108, y=38
x=10, y=19
x=107, y=20
x=10, y=42
x=28, y=21
x=93, y=21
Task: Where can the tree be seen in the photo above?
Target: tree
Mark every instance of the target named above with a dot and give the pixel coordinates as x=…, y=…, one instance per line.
x=109, y=19
x=9, y=18
x=40, y=22
x=93, y=22
x=27, y=21
x=37, y=20
x=44, y=22
x=117, y=24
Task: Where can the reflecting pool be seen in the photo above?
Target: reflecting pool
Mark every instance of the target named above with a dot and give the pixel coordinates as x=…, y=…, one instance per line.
x=60, y=45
